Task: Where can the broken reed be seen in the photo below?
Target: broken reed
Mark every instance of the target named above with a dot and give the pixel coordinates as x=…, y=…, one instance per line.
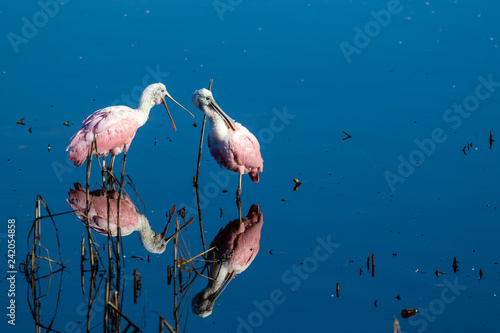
x=34, y=261
x=113, y=306
x=92, y=254
x=196, y=180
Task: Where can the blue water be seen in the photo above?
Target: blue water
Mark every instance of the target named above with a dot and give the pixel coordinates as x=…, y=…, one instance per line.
x=297, y=75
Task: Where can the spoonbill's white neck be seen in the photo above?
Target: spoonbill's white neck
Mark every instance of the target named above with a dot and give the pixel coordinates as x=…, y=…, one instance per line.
x=151, y=241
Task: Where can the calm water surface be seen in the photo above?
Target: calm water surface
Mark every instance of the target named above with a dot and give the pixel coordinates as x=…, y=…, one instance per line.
x=415, y=84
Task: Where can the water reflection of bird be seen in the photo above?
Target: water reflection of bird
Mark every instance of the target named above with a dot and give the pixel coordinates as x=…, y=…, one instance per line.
x=235, y=248
x=230, y=143
x=115, y=126
x=130, y=219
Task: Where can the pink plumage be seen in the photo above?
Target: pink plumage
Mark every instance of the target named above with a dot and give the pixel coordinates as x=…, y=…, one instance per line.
x=130, y=219
x=240, y=153
x=230, y=143
x=236, y=246
x=238, y=243
x=98, y=213
x=114, y=127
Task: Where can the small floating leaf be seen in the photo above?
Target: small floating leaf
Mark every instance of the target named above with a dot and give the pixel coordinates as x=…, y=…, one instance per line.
x=407, y=313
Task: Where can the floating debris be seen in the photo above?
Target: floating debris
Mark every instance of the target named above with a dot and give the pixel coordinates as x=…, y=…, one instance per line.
x=398, y=297
x=297, y=184
x=155, y=141
x=20, y=122
x=455, y=264
x=221, y=212
x=224, y=191
x=373, y=264
x=395, y=326
x=338, y=289
x=437, y=272
x=66, y=123
x=480, y=274
x=348, y=136
x=463, y=149
x=31, y=130
x=137, y=285
x=195, y=125
x=169, y=275
x=271, y=252
x=491, y=140
x=48, y=147
x=407, y=313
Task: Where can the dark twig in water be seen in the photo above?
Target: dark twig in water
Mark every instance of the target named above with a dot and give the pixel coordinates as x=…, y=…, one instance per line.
x=164, y=322
x=297, y=184
x=455, y=264
x=348, y=136
x=196, y=179
x=491, y=140
x=373, y=264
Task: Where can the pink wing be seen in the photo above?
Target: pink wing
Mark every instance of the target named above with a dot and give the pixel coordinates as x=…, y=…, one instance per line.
x=98, y=210
x=241, y=241
x=246, y=150
x=113, y=127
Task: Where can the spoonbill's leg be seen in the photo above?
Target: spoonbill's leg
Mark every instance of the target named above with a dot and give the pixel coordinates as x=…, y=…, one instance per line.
x=103, y=170
x=238, y=192
x=111, y=175
x=111, y=163
x=238, y=203
x=238, y=197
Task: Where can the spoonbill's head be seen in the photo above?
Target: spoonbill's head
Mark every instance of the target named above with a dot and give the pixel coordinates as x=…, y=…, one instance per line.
x=152, y=241
x=156, y=93
x=157, y=244
x=202, y=305
x=204, y=100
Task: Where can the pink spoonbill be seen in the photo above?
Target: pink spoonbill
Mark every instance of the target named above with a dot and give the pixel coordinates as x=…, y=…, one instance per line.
x=115, y=126
x=230, y=143
x=130, y=219
x=235, y=248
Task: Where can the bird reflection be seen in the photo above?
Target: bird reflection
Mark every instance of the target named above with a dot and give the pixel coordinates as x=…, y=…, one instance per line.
x=235, y=247
x=130, y=219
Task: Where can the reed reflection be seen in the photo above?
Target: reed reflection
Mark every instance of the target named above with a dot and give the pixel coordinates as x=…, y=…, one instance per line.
x=234, y=249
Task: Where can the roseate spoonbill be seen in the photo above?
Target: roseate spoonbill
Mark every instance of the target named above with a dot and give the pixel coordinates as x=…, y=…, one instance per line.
x=235, y=248
x=115, y=126
x=130, y=219
x=230, y=143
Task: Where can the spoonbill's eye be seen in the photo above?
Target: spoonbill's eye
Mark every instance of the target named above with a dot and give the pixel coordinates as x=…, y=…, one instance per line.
x=208, y=98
